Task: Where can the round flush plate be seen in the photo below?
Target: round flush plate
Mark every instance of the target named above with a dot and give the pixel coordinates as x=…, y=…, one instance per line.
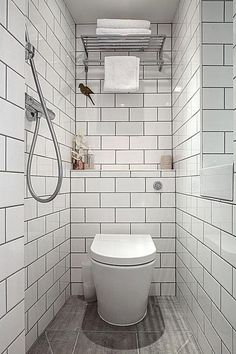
x=157, y=185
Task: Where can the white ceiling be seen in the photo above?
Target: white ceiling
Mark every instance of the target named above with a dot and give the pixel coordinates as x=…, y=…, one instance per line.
x=87, y=11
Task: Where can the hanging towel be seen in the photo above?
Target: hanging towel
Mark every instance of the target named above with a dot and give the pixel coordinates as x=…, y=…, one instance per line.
x=122, y=31
x=118, y=23
x=121, y=74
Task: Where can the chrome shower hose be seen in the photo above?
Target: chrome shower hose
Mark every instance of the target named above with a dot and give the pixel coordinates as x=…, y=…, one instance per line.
x=36, y=131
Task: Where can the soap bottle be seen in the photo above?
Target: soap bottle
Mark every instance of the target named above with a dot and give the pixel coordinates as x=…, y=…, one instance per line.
x=80, y=164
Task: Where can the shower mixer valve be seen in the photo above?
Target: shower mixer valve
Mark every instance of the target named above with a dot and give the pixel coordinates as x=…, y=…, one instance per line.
x=34, y=110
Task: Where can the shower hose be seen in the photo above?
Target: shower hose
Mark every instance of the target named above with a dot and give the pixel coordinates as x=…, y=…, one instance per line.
x=36, y=131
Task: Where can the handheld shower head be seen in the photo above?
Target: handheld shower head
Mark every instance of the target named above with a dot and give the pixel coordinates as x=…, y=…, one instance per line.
x=29, y=48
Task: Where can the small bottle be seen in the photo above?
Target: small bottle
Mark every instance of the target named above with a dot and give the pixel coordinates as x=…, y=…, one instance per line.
x=166, y=162
x=74, y=156
x=91, y=161
x=86, y=160
x=80, y=164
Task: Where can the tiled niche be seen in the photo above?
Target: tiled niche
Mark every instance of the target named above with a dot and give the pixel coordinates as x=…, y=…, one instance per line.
x=217, y=83
x=126, y=130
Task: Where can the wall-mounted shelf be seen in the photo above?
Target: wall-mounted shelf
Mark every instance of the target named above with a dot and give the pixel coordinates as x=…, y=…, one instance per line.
x=127, y=43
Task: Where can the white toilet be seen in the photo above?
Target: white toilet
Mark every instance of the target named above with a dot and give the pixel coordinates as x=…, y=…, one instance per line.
x=122, y=268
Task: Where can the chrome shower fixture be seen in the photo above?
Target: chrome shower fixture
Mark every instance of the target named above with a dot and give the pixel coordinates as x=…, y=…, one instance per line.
x=29, y=51
x=34, y=109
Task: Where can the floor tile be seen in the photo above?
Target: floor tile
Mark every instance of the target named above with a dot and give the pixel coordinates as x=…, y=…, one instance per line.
x=62, y=342
x=169, y=313
x=78, y=329
x=67, y=321
x=167, y=343
x=41, y=346
x=153, y=321
x=70, y=317
x=75, y=304
x=93, y=322
x=62, y=347
x=173, y=321
x=166, y=302
x=61, y=336
x=106, y=343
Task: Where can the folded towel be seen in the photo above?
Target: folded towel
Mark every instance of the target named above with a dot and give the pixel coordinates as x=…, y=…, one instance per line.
x=117, y=23
x=122, y=31
x=121, y=74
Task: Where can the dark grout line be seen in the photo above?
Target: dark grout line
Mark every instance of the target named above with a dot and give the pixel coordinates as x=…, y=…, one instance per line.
x=49, y=344
x=138, y=349
x=76, y=341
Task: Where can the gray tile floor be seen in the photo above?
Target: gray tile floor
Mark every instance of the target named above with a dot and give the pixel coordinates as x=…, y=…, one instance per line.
x=77, y=329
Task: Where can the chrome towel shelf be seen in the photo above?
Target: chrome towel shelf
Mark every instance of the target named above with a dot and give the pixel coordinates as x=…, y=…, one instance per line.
x=121, y=43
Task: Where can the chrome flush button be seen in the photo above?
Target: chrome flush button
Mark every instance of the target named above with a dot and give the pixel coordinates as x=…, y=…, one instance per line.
x=157, y=185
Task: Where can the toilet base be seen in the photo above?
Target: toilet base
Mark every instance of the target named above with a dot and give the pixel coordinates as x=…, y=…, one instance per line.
x=123, y=325
x=122, y=292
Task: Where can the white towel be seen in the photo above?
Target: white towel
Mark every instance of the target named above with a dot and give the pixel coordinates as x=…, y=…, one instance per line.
x=121, y=74
x=118, y=23
x=122, y=31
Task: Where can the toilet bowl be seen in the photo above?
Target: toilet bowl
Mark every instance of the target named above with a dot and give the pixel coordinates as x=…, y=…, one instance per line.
x=122, y=268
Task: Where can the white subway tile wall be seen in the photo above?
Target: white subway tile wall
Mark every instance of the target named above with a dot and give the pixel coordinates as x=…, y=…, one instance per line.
x=205, y=260
x=126, y=130
x=217, y=82
x=234, y=134
x=11, y=178
x=124, y=202
x=47, y=226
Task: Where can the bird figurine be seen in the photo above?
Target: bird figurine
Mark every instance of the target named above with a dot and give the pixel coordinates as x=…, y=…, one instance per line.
x=85, y=90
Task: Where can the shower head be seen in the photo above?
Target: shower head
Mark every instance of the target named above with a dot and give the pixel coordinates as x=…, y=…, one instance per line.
x=26, y=34
x=29, y=48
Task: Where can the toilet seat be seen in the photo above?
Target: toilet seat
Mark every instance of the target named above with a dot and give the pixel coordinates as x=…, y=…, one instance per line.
x=123, y=249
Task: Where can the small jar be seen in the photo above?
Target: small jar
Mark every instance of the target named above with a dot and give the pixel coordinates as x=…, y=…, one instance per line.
x=91, y=161
x=166, y=162
x=78, y=164
x=88, y=161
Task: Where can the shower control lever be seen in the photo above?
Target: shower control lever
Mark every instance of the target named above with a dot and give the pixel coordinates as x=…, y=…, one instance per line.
x=34, y=109
x=157, y=185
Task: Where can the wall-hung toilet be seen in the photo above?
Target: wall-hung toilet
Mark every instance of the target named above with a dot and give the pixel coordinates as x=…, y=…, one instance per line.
x=122, y=268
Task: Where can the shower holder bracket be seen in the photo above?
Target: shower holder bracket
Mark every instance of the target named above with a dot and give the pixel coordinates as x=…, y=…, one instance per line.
x=34, y=110
x=29, y=51
x=32, y=115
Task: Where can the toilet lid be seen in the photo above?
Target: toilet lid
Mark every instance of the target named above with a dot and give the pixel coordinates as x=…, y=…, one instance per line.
x=122, y=249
